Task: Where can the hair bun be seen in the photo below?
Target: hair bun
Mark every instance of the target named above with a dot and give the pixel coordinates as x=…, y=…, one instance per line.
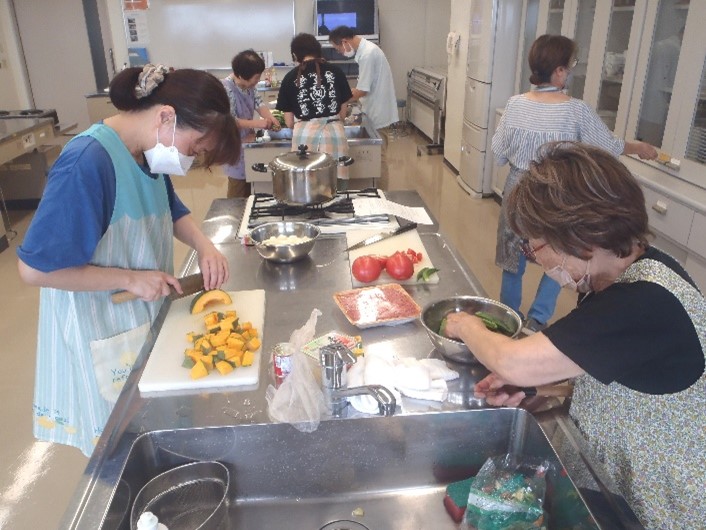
x=150, y=77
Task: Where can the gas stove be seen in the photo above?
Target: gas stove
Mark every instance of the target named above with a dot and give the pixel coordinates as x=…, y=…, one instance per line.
x=335, y=216
x=29, y=113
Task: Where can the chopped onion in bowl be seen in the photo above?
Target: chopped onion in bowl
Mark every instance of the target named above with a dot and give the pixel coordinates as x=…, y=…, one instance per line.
x=285, y=240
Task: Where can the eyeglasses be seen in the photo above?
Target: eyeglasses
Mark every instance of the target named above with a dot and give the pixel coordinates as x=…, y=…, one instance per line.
x=529, y=252
x=574, y=63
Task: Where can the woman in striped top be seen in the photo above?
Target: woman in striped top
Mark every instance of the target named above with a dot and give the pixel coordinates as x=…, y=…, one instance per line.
x=544, y=114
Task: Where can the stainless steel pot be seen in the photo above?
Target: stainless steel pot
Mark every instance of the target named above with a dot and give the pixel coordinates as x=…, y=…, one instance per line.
x=303, y=177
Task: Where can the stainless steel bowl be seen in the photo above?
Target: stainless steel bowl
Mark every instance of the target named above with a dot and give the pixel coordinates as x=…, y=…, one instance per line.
x=286, y=253
x=453, y=349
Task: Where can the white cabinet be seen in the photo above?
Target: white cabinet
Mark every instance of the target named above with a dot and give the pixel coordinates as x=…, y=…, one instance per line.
x=679, y=230
x=459, y=30
x=492, y=45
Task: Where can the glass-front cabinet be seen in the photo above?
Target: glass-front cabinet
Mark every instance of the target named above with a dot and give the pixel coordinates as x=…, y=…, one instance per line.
x=611, y=58
x=642, y=66
x=667, y=106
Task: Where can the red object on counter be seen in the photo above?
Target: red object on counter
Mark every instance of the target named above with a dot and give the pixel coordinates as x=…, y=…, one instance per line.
x=282, y=359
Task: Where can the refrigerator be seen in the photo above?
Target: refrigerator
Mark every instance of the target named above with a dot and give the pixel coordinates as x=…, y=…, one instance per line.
x=495, y=28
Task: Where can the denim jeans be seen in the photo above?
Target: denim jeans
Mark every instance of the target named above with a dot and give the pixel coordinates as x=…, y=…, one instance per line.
x=544, y=303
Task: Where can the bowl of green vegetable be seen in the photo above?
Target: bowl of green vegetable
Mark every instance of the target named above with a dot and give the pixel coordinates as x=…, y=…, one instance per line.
x=496, y=316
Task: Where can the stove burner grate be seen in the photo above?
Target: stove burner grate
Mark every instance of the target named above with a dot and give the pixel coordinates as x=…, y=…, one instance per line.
x=264, y=205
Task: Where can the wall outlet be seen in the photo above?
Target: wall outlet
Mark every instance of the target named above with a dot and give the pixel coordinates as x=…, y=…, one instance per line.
x=28, y=141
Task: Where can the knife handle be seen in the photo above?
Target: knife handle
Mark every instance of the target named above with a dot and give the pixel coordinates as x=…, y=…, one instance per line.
x=122, y=296
x=405, y=228
x=549, y=391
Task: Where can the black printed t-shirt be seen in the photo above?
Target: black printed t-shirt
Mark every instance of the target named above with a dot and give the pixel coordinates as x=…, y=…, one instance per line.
x=311, y=99
x=636, y=334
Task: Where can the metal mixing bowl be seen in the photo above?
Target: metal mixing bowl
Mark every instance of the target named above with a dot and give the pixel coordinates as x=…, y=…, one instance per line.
x=286, y=253
x=453, y=349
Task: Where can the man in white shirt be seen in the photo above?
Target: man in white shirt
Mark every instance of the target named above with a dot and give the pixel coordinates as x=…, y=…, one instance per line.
x=375, y=89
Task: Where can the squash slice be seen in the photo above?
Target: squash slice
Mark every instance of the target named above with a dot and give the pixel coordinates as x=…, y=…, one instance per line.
x=205, y=298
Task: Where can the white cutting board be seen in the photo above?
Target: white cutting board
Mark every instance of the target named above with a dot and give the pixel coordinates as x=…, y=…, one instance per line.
x=387, y=247
x=163, y=370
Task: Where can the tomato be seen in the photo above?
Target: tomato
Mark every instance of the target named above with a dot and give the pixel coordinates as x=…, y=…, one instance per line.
x=382, y=259
x=366, y=269
x=400, y=266
x=416, y=257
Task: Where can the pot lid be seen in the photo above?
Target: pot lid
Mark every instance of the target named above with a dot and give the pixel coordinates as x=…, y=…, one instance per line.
x=302, y=160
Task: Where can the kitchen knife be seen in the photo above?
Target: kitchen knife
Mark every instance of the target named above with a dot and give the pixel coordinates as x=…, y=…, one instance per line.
x=189, y=284
x=379, y=237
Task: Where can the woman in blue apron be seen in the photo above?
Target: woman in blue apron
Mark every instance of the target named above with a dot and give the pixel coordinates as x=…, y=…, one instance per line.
x=106, y=222
x=316, y=93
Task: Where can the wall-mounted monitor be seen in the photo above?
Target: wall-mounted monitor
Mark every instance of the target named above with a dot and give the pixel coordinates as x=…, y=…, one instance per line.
x=361, y=15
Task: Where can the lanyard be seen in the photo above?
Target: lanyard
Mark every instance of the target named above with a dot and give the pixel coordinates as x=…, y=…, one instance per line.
x=546, y=88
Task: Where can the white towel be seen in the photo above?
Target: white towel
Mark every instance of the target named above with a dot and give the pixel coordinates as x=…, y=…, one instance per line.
x=419, y=379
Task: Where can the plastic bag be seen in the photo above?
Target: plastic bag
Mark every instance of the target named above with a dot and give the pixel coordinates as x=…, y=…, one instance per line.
x=508, y=494
x=299, y=400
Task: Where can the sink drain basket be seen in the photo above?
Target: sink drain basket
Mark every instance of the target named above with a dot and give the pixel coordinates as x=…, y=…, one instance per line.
x=188, y=497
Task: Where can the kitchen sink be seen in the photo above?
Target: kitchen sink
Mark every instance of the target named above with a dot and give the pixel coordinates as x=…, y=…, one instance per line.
x=356, y=131
x=372, y=473
x=352, y=132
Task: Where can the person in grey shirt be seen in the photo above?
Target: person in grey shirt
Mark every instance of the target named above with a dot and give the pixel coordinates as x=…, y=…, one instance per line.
x=375, y=89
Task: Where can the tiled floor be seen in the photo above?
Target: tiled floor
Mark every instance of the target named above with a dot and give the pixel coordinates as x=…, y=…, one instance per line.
x=39, y=478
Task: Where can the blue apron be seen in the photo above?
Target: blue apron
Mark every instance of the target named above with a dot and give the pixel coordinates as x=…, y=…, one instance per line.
x=82, y=361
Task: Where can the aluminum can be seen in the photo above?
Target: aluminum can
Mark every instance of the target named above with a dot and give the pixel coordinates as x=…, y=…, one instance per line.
x=282, y=359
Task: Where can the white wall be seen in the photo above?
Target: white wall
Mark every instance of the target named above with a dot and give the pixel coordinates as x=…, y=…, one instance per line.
x=12, y=89
x=413, y=33
x=55, y=44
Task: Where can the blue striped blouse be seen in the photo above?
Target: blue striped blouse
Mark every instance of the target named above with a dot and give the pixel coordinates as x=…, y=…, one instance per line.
x=526, y=125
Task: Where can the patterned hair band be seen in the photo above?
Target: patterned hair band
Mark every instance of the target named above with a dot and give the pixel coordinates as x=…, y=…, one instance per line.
x=150, y=77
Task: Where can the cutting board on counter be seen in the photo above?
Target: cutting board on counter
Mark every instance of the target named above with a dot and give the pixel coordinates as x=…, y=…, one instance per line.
x=164, y=371
x=387, y=247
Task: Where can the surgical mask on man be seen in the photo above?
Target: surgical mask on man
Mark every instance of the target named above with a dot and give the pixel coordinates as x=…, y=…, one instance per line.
x=168, y=160
x=561, y=276
x=348, y=53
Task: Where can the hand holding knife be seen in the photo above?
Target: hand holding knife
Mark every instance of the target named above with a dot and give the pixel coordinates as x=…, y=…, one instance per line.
x=189, y=285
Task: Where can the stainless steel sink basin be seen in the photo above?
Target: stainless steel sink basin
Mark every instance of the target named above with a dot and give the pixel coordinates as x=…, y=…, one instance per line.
x=352, y=132
x=356, y=131
x=390, y=472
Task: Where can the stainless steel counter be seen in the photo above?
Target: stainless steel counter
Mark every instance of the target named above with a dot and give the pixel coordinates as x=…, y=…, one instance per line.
x=20, y=136
x=17, y=137
x=292, y=292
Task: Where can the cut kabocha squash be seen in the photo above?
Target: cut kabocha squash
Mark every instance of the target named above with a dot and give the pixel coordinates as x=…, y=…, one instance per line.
x=226, y=345
x=205, y=298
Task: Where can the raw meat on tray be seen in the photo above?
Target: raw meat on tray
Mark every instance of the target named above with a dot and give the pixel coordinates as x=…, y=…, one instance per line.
x=381, y=305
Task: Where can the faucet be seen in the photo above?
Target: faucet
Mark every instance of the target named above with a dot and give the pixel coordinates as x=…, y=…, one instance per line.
x=335, y=358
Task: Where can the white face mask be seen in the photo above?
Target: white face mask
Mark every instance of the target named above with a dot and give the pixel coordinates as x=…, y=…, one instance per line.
x=560, y=275
x=348, y=53
x=168, y=160
x=569, y=80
